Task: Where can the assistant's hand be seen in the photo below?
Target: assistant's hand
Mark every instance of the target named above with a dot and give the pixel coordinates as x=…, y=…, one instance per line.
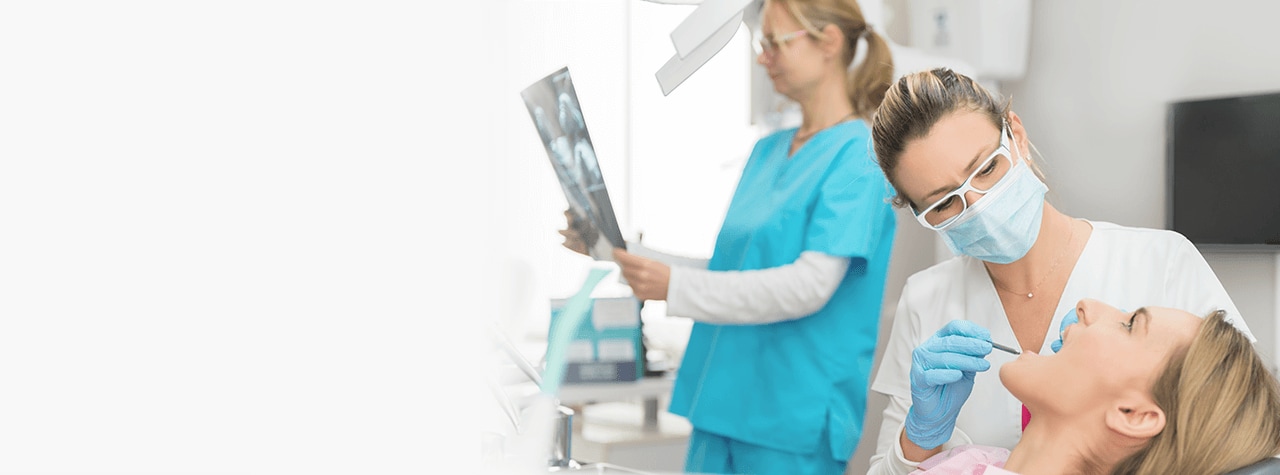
x=942, y=371
x=648, y=278
x=574, y=239
x=1067, y=320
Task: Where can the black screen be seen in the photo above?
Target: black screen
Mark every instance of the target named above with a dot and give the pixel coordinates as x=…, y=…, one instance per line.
x=1224, y=170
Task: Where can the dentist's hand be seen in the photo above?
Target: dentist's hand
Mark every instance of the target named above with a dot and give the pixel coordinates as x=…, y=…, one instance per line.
x=942, y=371
x=1067, y=320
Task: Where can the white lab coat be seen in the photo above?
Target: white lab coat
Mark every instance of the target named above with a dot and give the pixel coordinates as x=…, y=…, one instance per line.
x=1122, y=266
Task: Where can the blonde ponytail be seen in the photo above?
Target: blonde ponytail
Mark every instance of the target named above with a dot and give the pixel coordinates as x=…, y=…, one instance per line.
x=869, y=81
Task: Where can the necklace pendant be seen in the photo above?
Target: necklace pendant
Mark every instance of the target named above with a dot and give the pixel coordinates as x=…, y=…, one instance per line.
x=1029, y=295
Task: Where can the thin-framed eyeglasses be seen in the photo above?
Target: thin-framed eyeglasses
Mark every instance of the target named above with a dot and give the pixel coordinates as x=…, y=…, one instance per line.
x=989, y=173
x=768, y=44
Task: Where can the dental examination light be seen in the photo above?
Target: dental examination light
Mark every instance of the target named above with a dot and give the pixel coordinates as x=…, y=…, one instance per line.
x=706, y=31
x=701, y=36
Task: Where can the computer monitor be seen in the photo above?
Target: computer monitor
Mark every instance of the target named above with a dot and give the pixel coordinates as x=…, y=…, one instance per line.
x=1224, y=171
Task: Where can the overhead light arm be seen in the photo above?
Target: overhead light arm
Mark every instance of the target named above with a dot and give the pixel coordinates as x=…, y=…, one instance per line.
x=700, y=37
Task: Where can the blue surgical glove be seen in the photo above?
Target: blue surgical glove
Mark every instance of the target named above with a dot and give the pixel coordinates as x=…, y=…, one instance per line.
x=942, y=371
x=1067, y=320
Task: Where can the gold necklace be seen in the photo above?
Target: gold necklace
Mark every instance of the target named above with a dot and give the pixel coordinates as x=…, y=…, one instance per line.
x=801, y=138
x=1052, y=268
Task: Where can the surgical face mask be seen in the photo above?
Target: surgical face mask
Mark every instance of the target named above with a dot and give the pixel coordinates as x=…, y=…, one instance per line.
x=1004, y=223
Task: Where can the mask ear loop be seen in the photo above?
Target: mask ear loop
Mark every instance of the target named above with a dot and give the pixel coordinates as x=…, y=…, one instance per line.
x=1035, y=168
x=1017, y=151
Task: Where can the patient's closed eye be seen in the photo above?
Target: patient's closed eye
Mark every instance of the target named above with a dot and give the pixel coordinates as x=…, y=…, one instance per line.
x=1128, y=326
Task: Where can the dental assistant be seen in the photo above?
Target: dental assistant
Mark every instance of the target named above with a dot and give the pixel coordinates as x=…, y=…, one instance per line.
x=959, y=160
x=776, y=370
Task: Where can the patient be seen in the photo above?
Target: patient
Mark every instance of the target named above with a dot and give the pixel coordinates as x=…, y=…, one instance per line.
x=1156, y=391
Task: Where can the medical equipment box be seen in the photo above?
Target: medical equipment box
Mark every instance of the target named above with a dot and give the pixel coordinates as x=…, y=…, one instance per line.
x=606, y=345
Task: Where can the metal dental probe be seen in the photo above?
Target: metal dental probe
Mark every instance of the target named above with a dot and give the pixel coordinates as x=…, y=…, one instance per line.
x=1005, y=349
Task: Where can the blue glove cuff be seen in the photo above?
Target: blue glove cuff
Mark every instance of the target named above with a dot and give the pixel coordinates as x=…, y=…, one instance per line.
x=925, y=434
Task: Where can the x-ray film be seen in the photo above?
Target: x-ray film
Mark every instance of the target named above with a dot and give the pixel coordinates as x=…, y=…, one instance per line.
x=553, y=106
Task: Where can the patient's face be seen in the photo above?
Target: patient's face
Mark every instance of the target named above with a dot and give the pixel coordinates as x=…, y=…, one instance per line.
x=1108, y=354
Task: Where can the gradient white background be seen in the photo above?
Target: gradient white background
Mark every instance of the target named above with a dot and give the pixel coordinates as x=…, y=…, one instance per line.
x=241, y=236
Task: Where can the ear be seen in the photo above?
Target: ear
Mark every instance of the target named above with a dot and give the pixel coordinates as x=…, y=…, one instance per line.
x=1137, y=418
x=831, y=42
x=1019, y=134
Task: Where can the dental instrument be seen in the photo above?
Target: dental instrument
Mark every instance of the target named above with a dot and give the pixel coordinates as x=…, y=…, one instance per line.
x=1005, y=349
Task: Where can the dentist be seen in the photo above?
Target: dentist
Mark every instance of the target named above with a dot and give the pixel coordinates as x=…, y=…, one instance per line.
x=958, y=159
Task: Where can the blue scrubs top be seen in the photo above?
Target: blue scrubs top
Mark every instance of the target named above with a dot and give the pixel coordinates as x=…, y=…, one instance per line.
x=781, y=385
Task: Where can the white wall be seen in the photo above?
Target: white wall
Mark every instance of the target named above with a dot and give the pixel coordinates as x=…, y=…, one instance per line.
x=689, y=147
x=1094, y=100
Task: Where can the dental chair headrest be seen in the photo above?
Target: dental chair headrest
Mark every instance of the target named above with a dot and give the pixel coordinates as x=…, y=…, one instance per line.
x=1268, y=466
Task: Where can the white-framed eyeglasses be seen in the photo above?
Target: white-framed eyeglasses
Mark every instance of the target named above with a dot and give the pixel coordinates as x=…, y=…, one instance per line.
x=768, y=44
x=952, y=205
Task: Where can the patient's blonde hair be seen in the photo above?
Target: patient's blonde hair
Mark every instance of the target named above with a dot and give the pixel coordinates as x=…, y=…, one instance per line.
x=1221, y=403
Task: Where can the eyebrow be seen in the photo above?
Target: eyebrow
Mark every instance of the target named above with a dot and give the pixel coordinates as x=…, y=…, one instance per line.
x=1142, y=312
x=967, y=169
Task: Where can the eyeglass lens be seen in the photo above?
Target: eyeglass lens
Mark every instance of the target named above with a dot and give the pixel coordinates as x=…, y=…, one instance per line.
x=770, y=43
x=983, y=179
